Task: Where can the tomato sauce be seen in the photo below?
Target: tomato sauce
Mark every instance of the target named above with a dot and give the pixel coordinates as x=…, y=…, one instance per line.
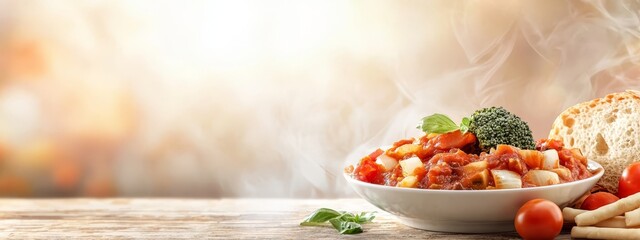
x=453, y=161
x=369, y=171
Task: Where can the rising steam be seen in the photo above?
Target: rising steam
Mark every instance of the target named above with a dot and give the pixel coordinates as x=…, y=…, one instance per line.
x=270, y=98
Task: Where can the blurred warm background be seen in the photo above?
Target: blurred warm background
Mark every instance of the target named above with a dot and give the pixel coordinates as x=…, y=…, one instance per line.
x=270, y=98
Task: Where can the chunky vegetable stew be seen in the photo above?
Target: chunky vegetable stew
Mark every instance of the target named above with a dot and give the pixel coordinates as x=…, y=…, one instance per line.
x=454, y=161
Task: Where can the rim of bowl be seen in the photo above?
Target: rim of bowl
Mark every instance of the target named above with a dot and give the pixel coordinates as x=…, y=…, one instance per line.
x=590, y=163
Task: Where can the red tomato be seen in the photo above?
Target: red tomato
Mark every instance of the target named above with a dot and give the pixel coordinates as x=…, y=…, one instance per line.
x=544, y=144
x=629, y=181
x=375, y=154
x=597, y=200
x=455, y=139
x=539, y=219
x=369, y=171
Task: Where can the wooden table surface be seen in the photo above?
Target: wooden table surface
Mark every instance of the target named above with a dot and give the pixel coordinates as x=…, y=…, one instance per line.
x=195, y=219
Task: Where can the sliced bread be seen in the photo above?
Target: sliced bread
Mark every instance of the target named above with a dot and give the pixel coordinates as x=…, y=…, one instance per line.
x=606, y=130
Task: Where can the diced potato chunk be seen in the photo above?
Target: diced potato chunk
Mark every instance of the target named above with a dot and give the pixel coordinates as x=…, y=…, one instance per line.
x=410, y=165
x=408, y=182
x=541, y=178
x=408, y=149
x=475, y=167
x=387, y=162
x=551, y=159
x=505, y=179
x=480, y=180
x=564, y=173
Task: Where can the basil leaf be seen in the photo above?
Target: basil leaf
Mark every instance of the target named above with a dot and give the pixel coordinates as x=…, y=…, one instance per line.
x=348, y=217
x=320, y=216
x=346, y=227
x=464, y=125
x=437, y=123
x=350, y=228
x=344, y=222
x=364, y=217
x=336, y=222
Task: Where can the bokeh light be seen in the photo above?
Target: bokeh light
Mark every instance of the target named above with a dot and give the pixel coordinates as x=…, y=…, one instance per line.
x=269, y=98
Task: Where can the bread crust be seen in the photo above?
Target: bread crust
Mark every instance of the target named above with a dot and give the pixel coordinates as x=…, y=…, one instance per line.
x=606, y=130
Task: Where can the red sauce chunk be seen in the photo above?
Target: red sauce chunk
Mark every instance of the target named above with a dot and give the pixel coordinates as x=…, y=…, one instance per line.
x=453, y=161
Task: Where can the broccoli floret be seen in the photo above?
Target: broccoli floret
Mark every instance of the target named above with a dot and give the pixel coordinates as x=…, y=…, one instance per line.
x=496, y=125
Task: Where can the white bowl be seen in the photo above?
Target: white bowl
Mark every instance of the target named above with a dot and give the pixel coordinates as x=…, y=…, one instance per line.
x=467, y=211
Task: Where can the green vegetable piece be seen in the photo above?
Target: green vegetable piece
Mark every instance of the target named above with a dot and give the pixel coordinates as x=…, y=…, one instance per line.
x=464, y=125
x=320, y=216
x=346, y=227
x=437, y=123
x=344, y=222
x=495, y=125
x=364, y=217
x=347, y=217
x=492, y=126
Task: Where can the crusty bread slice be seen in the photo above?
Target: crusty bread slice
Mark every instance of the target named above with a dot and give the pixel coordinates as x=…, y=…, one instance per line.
x=606, y=130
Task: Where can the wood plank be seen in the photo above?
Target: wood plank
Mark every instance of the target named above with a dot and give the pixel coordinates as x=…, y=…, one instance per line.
x=195, y=219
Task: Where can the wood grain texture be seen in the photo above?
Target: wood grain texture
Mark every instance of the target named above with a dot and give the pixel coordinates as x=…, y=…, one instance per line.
x=195, y=219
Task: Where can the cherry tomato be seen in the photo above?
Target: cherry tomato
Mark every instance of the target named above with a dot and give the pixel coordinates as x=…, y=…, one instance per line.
x=539, y=219
x=597, y=200
x=629, y=180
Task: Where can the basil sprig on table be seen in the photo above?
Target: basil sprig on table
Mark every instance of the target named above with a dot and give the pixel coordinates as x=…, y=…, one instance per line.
x=440, y=123
x=344, y=222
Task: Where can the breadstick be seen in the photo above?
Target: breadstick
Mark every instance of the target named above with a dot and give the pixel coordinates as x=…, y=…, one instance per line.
x=632, y=218
x=608, y=211
x=569, y=215
x=605, y=233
